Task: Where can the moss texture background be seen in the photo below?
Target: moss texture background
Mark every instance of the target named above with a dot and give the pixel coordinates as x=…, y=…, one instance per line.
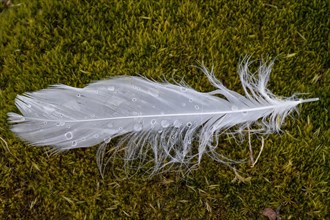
x=75, y=42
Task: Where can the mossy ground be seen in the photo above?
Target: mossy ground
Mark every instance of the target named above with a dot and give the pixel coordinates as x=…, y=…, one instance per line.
x=75, y=42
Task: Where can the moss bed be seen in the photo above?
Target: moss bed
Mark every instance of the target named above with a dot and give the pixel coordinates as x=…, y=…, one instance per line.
x=47, y=42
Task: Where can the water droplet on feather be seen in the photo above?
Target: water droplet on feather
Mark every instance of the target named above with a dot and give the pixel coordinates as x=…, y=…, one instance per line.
x=234, y=108
x=177, y=123
x=68, y=135
x=107, y=140
x=48, y=109
x=183, y=89
x=111, y=88
x=61, y=123
x=164, y=123
x=138, y=127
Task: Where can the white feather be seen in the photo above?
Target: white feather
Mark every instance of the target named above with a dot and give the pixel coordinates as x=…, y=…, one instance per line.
x=159, y=117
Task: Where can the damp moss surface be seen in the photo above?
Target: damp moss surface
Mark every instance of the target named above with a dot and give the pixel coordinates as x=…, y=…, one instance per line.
x=76, y=42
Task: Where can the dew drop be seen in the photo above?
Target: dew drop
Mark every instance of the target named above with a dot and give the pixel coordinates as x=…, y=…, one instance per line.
x=234, y=108
x=74, y=143
x=61, y=123
x=68, y=135
x=190, y=100
x=138, y=127
x=133, y=99
x=189, y=124
x=120, y=128
x=164, y=123
x=177, y=123
x=107, y=140
x=153, y=121
x=196, y=107
x=156, y=94
x=111, y=88
x=44, y=122
x=48, y=109
x=78, y=95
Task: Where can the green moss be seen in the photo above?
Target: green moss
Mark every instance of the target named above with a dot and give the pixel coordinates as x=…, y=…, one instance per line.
x=75, y=42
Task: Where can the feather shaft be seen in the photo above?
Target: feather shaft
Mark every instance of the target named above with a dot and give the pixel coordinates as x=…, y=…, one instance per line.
x=293, y=103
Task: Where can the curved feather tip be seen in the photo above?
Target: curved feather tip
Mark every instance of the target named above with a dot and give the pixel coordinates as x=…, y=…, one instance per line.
x=160, y=120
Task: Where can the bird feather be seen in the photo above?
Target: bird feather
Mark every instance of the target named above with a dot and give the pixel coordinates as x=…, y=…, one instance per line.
x=158, y=119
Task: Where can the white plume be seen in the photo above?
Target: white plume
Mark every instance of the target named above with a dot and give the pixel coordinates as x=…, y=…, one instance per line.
x=158, y=118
